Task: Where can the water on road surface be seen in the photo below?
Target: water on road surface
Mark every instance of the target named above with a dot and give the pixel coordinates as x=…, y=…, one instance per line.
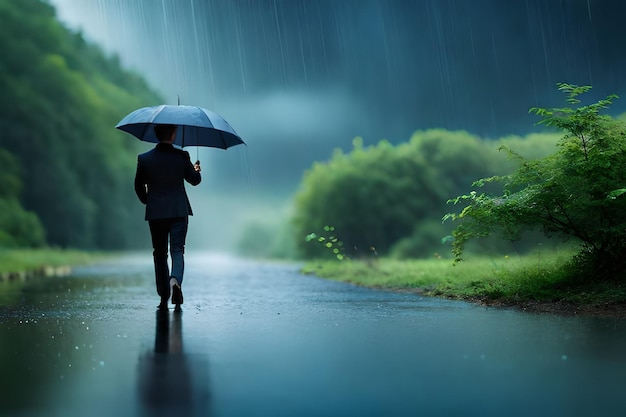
x=260, y=339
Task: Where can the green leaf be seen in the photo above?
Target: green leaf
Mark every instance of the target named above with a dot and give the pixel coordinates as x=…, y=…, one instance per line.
x=616, y=193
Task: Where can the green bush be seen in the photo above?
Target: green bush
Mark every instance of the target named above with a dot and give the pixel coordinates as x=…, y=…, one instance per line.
x=376, y=196
x=576, y=193
x=387, y=199
x=427, y=240
x=18, y=227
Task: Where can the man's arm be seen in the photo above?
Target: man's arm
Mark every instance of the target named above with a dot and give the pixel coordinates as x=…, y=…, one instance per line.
x=192, y=176
x=141, y=188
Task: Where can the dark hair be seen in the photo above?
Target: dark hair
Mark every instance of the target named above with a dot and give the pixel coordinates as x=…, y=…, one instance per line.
x=164, y=132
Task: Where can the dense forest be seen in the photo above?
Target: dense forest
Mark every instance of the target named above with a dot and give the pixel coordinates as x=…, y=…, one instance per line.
x=390, y=200
x=67, y=173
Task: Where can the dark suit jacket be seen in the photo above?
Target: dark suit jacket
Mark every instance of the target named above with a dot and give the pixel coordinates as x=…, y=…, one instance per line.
x=160, y=181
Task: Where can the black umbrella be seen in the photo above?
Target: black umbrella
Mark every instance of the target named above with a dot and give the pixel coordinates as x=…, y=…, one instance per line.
x=196, y=126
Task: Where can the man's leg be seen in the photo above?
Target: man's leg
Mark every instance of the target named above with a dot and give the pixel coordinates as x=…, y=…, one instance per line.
x=178, y=235
x=159, y=230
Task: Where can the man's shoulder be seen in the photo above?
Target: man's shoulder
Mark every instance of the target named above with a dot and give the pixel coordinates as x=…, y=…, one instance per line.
x=170, y=149
x=181, y=151
x=159, y=152
x=146, y=154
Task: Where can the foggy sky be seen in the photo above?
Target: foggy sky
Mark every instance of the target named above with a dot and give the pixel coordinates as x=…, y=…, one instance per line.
x=297, y=78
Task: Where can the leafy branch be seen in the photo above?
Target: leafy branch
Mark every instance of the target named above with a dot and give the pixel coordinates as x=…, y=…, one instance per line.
x=329, y=241
x=573, y=193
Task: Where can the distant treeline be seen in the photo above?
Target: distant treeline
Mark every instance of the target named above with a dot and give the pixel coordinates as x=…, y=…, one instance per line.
x=390, y=200
x=66, y=172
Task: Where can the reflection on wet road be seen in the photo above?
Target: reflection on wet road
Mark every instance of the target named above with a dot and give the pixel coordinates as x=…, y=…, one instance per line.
x=259, y=339
x=172, y=382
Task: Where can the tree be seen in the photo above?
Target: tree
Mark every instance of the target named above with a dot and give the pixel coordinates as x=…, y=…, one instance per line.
x=61, y=98
x=375, y=197
x=574, y=193
x=18, y=227
x=371, y=196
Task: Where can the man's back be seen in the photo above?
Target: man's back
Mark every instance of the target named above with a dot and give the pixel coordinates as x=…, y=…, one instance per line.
x=159, y=182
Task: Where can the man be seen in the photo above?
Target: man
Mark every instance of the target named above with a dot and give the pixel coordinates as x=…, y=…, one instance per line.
x=160, y=185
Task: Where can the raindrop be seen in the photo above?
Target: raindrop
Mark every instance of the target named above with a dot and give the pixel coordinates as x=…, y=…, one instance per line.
x=101, y=363
x=563, y=357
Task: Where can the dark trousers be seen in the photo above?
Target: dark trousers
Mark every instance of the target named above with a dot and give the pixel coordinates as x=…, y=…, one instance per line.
x=174, y=232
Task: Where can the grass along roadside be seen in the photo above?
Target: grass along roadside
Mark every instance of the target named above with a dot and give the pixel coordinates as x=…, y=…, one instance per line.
x=24, y=263
x=535, y=282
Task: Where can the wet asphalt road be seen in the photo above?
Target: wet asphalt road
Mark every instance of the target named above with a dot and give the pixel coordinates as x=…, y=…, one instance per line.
x=260, y=339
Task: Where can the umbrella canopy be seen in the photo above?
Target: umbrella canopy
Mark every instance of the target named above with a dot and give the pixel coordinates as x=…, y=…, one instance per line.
x=196, y=126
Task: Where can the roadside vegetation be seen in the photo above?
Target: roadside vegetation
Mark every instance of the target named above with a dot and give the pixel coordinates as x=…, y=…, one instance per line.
x=25, y=263
x=539, y=281
x=65, y=169
x=389, y=199
x=64, y=182
x=573, y=195
x=576, y=193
